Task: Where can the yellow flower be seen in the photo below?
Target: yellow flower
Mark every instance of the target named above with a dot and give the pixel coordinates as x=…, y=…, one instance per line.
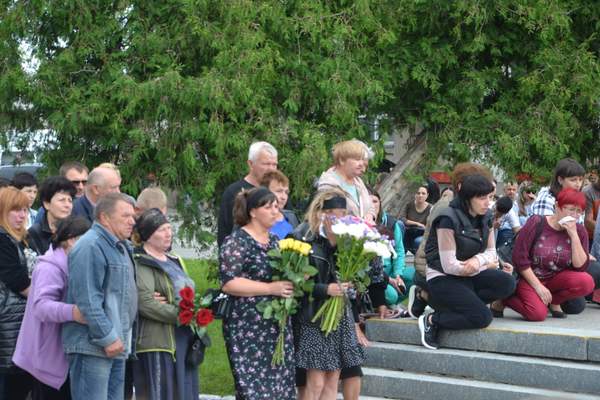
x=297, y=246
x=285, y=244
x=305, y=249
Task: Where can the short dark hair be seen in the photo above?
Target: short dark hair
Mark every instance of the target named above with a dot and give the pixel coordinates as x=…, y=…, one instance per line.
x=107, y=203
x=55, y=184
x=69, y=165
x=68, y=228
x=5, y=182
x=241, y=208
x=565, y=168
x=473, y=186
x=504, y=204
x=24, y=179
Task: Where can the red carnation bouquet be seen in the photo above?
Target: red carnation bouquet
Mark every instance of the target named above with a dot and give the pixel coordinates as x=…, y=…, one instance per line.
x=194, y=310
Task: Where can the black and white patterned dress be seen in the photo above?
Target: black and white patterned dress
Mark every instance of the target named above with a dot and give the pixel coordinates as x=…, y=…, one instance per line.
x=250, y=339
x=340, y=349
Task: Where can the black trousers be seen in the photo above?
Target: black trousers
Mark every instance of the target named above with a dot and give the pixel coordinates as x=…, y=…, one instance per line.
x=576, y=306
x=461, y=302
x=17, y=384
x=45, y=392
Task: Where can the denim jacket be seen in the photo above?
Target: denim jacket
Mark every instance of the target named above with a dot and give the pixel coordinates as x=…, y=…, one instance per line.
x=102, y=285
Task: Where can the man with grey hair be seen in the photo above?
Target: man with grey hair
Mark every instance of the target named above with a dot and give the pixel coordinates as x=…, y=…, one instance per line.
x=101, y=181
x=262, y=158
x=102, y=285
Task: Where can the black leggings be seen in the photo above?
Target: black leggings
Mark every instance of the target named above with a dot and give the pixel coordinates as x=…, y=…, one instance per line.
x=462, y=301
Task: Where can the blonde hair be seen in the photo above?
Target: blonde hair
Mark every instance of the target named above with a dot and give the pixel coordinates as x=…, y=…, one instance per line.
x=354, y=149
x=12, y=199
x=152, y=197
x=315, y=209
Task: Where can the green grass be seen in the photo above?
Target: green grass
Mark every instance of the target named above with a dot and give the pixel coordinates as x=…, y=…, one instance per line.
x=215, y=374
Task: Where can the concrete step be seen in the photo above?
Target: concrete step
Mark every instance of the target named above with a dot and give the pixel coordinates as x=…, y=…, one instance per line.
x=574, y=338
x=551, y=374
x=408, y=385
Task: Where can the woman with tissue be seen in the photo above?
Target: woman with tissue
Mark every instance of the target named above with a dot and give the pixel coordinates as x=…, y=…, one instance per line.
x=552, y=264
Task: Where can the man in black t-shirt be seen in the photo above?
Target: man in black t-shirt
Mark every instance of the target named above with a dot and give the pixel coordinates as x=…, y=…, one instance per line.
x=262, y=158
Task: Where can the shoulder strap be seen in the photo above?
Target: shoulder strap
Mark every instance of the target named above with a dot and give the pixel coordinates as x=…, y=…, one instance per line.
x=539, y=227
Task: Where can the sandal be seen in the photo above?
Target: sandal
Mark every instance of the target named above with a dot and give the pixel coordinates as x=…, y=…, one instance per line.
x=558, y=314
x=496, y=313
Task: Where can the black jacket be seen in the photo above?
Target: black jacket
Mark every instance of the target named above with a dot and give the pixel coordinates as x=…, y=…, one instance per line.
x=39, y=236
x=13, y=279
x=323, y=259
x=470, y=233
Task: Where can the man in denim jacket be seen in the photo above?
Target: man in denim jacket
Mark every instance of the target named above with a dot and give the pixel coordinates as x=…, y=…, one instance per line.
x=102, y=285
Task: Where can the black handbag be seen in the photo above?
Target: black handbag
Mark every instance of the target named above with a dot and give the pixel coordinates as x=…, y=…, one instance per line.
x=221, y=305
x=196, y=350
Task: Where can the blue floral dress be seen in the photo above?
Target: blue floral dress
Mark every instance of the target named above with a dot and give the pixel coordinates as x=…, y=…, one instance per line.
x=249, y=338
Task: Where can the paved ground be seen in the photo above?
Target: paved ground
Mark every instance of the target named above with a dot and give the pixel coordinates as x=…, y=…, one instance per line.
x=584, y=324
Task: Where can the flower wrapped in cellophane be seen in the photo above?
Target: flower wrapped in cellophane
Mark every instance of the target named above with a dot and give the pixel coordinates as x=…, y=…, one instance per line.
x=357, y=244
x=289, y=263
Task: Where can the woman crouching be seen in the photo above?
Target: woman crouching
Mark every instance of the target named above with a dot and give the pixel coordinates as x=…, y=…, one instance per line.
x=462, y=266
x=552, y=263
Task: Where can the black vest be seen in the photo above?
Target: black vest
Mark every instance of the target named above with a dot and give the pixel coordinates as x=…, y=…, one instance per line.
x=469, y=240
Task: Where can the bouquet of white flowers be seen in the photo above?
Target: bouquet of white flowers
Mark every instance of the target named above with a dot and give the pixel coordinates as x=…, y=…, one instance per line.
x=357, y=244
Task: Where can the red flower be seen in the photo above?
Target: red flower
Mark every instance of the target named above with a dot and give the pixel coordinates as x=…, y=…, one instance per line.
x=185, y=317
x=187, y=293
x=204, y=317
x=186, y=305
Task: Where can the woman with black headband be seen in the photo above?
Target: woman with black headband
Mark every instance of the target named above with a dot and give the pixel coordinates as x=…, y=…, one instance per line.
x=323, y=357
x=160, y=371
x=245, y=275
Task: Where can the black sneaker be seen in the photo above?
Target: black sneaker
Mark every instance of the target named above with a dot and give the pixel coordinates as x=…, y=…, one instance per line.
x=428, y=332
x=416, y=305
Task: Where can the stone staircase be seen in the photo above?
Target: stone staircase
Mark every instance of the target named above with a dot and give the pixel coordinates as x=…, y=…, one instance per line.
x=511, y=359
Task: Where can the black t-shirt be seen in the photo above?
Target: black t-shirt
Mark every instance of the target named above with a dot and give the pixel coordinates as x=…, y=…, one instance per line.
x=225, y=220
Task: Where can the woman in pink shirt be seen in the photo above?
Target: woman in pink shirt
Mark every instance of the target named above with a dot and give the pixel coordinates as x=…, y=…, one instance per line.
x=39, y=349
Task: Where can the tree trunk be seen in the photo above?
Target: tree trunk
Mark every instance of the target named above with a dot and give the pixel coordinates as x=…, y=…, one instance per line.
x=396, y=190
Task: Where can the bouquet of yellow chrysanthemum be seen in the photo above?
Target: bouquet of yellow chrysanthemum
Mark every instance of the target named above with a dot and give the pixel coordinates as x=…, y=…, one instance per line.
x=289, y=263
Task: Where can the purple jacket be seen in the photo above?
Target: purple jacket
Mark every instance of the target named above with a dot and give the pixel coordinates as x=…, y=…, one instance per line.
x=39, y=348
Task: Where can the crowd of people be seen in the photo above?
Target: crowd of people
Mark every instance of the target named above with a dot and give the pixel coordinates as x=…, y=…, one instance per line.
x=90, y=290
x=475, y=253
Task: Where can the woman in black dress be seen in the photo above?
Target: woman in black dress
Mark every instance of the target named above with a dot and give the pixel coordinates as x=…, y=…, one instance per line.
x=245, y=275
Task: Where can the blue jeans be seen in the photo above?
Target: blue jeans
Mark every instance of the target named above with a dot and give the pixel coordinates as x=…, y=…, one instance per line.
x=96, y=378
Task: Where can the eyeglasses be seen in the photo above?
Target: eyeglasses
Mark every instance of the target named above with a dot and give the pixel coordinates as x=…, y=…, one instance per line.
x=573, y=210
x=82, y=182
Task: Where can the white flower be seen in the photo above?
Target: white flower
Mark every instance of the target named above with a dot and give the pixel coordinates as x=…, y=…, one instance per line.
x=379, y=248
x=340, y=228
x=356, y=230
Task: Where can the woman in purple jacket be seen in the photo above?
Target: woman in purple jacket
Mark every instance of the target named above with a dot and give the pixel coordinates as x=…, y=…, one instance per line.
x=39, y=349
